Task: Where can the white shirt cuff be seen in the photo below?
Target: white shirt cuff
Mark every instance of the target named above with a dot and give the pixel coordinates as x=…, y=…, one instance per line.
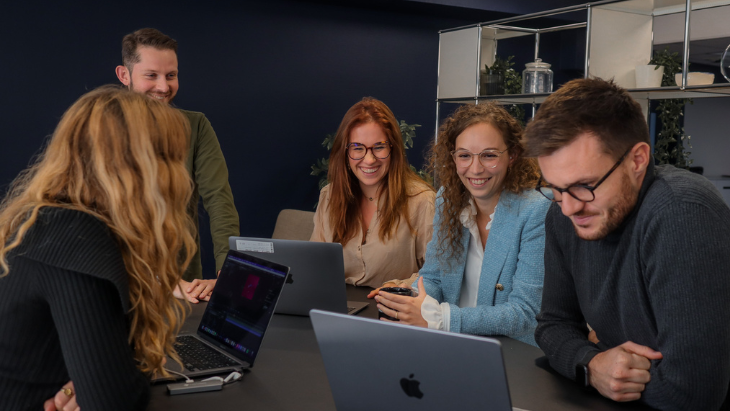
x=436, y=315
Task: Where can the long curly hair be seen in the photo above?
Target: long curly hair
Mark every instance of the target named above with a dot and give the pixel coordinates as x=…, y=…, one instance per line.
x=119, y=156
x=345, y=193
x=522, y=174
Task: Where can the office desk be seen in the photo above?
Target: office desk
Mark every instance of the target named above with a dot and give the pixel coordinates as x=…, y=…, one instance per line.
x=289, y=375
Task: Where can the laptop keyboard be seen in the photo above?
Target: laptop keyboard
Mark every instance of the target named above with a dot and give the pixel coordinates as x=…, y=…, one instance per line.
x=197, y=356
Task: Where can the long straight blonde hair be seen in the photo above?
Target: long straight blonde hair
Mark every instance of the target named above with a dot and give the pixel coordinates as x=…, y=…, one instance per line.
x=119, y=156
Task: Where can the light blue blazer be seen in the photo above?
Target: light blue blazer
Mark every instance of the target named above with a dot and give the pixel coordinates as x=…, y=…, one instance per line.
x=513, y=258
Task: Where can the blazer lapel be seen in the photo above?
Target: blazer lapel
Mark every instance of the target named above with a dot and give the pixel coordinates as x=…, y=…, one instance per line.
x=497, y=248
x=453, y=276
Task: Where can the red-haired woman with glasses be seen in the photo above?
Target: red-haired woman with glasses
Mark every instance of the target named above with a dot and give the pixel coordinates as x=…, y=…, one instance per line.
x=375, y=205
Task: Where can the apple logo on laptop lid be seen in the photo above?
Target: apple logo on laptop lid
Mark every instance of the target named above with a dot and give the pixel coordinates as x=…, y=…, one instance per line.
x=410, y=387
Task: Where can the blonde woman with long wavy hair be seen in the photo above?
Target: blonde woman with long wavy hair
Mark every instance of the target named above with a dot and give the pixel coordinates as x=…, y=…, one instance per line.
x=484, y=266
x=375, y=205
x=93, y=239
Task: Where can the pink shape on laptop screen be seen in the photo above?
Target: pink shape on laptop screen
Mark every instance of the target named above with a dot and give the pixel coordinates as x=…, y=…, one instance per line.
x=250, y=289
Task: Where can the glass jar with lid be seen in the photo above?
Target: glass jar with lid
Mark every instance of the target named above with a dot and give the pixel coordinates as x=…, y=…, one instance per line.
x=537, y=78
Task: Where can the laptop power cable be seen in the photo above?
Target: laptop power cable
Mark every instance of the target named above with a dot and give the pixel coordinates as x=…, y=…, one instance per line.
x=208, y=384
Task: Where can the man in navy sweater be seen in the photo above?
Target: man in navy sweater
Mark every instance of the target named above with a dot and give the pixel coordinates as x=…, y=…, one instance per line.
x=639, y=253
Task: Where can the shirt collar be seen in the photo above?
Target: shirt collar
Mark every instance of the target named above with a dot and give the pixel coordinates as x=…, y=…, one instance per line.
x=468, y=216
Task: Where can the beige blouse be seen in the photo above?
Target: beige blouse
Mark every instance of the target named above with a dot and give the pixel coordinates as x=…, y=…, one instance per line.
x=374, y=262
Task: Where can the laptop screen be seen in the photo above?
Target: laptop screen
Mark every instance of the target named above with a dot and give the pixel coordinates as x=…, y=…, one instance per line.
x=242, y=304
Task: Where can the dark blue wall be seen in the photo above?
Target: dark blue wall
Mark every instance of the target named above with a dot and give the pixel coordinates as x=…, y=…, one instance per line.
x=273, y=77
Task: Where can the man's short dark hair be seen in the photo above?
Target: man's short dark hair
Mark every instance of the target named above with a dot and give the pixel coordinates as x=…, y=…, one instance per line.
x=590, y=105
x=147, y=37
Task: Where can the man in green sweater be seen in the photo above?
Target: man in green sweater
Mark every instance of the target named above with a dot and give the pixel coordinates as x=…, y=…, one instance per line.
x=150, y=67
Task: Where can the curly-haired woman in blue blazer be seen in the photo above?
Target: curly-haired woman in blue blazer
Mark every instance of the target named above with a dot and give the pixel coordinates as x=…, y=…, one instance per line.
x=484, y=265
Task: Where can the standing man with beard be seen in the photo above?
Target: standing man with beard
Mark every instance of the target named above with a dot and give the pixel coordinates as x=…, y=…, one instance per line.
x=150, y=67
x=641, y=253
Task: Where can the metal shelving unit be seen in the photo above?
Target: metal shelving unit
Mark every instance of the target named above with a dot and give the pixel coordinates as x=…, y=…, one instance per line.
x=620, y=34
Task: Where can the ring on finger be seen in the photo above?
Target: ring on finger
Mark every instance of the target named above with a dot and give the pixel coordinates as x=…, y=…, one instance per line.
x=68, y=391
x=396, y=315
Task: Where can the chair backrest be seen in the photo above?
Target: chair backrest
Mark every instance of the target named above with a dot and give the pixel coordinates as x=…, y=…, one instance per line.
x=294, y=225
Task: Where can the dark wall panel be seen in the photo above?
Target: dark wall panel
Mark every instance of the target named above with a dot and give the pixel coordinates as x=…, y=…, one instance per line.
x=273, y=77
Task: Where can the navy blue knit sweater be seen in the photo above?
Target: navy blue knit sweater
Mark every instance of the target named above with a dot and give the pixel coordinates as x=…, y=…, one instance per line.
x=662, y=280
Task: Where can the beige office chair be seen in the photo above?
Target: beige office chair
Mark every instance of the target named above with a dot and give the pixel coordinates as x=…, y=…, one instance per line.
x=294, y=225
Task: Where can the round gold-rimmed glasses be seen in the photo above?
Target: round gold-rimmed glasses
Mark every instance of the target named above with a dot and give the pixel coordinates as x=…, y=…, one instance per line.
x=488, y=158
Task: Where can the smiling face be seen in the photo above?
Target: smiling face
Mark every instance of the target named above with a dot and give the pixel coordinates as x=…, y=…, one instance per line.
x=155, y=75
x=483, y=183
x=369, y=170
x=584, y=161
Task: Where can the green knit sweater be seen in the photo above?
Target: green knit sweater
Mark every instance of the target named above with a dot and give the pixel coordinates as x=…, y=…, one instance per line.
x=208, y=170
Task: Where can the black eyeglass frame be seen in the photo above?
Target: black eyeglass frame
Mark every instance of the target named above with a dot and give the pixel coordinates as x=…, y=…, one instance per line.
x=590, y=189
x=390, y=150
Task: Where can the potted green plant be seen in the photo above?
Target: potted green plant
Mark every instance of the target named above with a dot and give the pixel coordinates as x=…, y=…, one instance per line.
x=511, y=83
x=671, y=140
x=493, y=76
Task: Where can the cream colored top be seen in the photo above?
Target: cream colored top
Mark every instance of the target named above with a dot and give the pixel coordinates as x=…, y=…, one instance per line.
x=374, y=262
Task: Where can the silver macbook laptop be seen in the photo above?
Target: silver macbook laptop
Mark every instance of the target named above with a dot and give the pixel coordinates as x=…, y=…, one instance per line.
x=409, y=368
x=317, y=277
x=230, y=333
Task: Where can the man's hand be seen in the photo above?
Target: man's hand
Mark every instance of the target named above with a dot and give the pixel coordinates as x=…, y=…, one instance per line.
x=622, y=372
x=388, y=284
x=62, y=401
x=409, y=308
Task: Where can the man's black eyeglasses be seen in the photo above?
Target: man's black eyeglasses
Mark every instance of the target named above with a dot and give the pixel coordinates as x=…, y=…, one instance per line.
x=580, y=192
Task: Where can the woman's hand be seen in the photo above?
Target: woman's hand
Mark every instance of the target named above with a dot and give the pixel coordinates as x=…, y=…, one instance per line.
x=180, y=292
x=201, y=289
x=196, y=291
x=63, y=401
x=388, y=284
x=408, y=308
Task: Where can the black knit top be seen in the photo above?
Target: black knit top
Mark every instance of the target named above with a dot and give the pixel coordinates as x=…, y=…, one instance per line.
x=63, y=316
x=662, y=280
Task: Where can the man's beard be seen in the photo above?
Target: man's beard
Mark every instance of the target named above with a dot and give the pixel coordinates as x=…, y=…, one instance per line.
x=616, y=214
x=131, y=88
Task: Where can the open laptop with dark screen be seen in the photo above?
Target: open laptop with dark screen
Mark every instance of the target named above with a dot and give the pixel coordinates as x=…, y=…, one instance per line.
x=232, y=329
x=317, y=278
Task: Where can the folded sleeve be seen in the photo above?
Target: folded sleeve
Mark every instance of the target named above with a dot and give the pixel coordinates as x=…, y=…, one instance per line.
x=92, y=327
